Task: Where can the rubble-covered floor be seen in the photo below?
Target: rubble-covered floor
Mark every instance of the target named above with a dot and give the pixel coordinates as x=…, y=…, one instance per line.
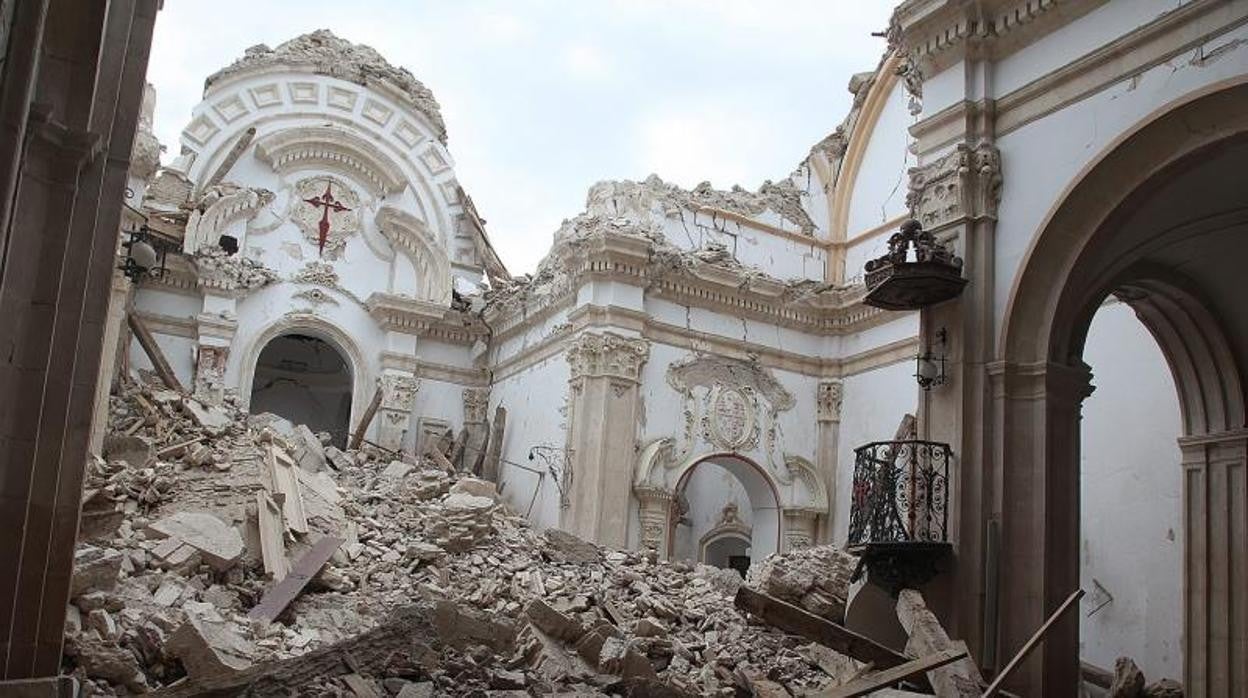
x=198, y=508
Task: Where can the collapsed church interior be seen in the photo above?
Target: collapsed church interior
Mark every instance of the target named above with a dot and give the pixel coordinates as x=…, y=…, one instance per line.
x=277, y=419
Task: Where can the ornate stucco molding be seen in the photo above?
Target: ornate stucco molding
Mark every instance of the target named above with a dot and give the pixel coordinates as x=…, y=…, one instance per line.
x=799, y=527
x=592, y=355
x=219, y=207
x=828, y=397
x=965, y=184
x=334, y=148
x=412, y=236
x=398, y=391
x=229, y=275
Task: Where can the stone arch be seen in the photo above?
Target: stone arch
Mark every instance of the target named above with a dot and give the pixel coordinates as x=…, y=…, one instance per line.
x=1092, y=244
x=886, y=80
x=306, y=380
x=760, y=487
x=311, y=325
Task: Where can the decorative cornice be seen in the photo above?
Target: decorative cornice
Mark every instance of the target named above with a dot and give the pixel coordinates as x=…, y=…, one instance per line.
x=935, y=34
x=410, y=316
x=610, y=355
x=434, y=371
x=333, y=148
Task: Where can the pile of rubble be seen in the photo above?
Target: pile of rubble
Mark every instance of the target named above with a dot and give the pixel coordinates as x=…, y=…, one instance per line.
x=202, y=527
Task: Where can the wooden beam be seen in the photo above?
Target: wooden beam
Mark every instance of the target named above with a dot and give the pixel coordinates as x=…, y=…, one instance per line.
x=279, y=596
x=790, y=618
x=1031, y=643
x=367, y=418
x=888, y=677
x=154, y=354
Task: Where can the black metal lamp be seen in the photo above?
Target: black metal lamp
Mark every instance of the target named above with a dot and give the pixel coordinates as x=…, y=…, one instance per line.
x=229, y=243
x=929, y=368
x=145, y=254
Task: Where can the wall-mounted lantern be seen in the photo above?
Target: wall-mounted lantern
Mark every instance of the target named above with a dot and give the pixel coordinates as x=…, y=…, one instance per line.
x=145, y=254
x=917, y=271
x=929, y=367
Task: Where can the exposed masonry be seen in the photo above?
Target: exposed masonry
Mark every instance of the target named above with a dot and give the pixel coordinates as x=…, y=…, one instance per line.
x=327, y=54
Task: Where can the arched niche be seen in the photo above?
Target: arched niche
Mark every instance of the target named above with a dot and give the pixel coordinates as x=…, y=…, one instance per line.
x=1160, y=220
x=316, y=327
x=307, y=381
x=429, y=259
x=766, y=521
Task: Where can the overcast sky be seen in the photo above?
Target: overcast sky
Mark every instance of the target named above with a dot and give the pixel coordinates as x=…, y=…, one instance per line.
x=542, y=98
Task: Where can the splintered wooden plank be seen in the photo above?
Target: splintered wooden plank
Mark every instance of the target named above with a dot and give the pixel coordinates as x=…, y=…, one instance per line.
x=286, y=482
x=888, y=677
x=154, y=354
x=272, y=538
x=279, y=596
x=790, y=618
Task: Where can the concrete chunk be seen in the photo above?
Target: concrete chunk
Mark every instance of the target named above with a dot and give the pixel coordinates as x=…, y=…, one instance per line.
x=209, y=645
x=95, y=569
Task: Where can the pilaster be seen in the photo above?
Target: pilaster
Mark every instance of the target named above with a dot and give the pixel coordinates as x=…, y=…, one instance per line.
x=800, y=528
x=398, y=395
x=828, y=398
x=655, y=513
x=604, y=375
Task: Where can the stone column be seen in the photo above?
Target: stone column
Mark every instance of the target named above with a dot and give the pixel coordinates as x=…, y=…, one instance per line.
x=118, y=295
x=828, y=422
x=398, y=394
x=655, y=512
x=955, y=197
x=602, y=434
x=1215, y=571
x=59, y=240
x=800, y=528
x=1038, y=410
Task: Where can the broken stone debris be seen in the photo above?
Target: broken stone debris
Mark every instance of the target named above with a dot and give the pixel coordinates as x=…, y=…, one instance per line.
x=161, y=599
x=164, y=597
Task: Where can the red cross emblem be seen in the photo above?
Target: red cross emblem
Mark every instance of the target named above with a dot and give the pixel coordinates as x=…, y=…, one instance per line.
x=326, y=202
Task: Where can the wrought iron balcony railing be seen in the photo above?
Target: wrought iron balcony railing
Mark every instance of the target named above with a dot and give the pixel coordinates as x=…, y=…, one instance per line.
x=901, y=493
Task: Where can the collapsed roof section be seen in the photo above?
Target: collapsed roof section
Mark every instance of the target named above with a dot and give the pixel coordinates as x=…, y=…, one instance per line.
x=323, y=53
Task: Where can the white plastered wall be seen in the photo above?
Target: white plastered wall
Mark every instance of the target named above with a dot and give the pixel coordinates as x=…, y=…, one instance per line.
x=1131, y=561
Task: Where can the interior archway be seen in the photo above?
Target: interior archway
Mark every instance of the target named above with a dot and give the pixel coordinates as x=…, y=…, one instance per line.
x=1161, y=222
x=718, y=488
x=307, y=381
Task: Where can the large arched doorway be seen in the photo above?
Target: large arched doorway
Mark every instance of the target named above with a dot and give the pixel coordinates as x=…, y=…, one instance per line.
x=1160, y=222
x=726, y=512
x=306, y=380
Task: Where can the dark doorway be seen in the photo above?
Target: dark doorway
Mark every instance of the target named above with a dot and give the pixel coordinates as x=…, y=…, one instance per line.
x=305, y=380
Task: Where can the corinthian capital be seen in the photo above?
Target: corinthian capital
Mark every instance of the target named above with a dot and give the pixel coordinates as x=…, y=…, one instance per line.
x=965, y=184
x=611, y=355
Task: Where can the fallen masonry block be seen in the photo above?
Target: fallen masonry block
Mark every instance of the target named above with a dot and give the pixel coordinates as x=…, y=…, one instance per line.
x=95, y=569
x=397, y=470
x=208, y=645
x=562, y=546
x=279, y=596
x=101, y=659
x=552, y=622
x=475, y=487
x=174, y=554
x=423, y=689
x=959, y=677
x=213, y=420
x=272, y=539
x=220, y=544
x=309, y=451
